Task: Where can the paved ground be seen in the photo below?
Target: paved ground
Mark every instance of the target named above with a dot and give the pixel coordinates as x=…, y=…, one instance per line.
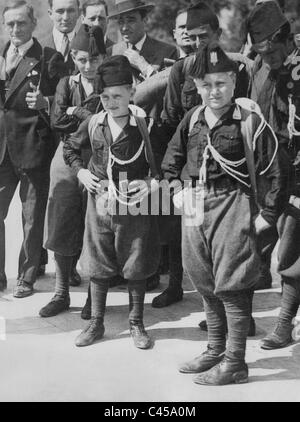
x=39, y=362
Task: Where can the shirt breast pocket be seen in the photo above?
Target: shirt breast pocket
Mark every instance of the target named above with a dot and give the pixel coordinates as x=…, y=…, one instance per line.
x=228, y=143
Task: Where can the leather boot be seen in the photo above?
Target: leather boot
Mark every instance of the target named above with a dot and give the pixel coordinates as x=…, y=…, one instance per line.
x=139, y=335
x=167, y=297
x=201, y=363
x=226, y=372
x=152, y=282
x=75, y=279
x=280, y=337
x=94, y=331
x=57, y=305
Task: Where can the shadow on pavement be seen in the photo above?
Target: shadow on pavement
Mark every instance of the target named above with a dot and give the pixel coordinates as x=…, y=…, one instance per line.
x=288, y=366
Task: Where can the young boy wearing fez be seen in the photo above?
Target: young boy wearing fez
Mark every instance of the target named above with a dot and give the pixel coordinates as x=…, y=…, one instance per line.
x=116, y=243
x=64, y=225
x=219, y=251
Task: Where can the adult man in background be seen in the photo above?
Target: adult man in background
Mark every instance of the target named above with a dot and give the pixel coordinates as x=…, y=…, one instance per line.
x=94, y=13
x=26, y=145
x=64, y=15
x=183, y=41
x=145, y=54
x=279, y=100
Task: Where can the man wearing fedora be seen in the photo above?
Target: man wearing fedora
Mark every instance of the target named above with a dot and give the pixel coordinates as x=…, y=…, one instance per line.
x=145, y=54
x=276, y=88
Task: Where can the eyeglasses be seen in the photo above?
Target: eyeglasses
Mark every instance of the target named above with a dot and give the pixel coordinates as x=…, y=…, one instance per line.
x=267, y=45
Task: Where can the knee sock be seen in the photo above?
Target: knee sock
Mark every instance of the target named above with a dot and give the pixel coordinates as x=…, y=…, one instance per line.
x=238, y=313
x=63, y=266
x=99, y=289
x=136, y=290
x=216, y=324
x=289, y=302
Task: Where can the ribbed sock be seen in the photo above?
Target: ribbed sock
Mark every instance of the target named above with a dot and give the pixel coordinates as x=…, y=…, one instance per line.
x=216, y=324
x=63, y=265
x=136, y=290
x=99, y=289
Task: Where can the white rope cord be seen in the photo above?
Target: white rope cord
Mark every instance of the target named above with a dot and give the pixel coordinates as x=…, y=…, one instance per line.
x=292, y=119
x=225, y=164
x=113, y=192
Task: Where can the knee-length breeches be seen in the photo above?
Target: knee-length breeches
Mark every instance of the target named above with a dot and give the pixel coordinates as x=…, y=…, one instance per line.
x=221, y=255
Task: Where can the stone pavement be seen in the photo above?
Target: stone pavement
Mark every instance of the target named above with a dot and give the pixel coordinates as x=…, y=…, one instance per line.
x=39, y=362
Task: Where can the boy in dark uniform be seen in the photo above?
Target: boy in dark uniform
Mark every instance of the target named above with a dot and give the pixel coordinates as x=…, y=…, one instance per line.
x=64, y=224
x=116, y=243
x=209, y=151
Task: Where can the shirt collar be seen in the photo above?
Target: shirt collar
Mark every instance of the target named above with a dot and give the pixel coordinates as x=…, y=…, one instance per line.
x=22, y=49
x=233, y=113
x=139, y=45
x=58, y=36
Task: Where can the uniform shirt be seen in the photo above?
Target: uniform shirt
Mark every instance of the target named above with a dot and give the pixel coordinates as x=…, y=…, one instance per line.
x=124, y=148
x=184, y=156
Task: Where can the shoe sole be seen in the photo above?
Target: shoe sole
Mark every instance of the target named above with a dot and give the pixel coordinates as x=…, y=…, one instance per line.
x=282, y=346
x=53, y=315
x=236, y=379
x=23, y=296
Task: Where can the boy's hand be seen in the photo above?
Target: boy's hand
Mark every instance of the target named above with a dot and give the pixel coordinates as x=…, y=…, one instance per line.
x=89, y=181
x=139, y=189
x=35, y=100
x=261, y=224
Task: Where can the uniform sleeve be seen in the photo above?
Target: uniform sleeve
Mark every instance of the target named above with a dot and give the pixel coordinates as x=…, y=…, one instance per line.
x=271, y=185
x=73, y=145
x=60, y=120
x=172, y=111
x=176, y=154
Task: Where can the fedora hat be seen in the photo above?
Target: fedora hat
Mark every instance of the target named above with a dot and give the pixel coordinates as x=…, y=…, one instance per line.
x=125, y=6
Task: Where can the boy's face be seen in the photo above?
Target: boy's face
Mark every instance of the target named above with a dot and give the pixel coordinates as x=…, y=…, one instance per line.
x=116, y=99
x=203, y=35
x=86, y=64
x=216, y=89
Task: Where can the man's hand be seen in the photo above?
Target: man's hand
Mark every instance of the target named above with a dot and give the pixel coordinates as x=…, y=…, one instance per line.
x=89, y=181
x=70, y=111
x=35, y=100
x=261, y=224
x=139, y=189
x=137, y=61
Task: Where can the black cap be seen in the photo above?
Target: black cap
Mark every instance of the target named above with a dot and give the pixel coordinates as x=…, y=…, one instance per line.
x=89, y=39
x=200, y=14
x=265, y=20
x=212, y=59
x=114, y=71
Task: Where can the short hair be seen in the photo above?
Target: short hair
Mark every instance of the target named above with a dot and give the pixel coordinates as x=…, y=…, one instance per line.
x=16, y=4
x=88, y=3
x=50, y=2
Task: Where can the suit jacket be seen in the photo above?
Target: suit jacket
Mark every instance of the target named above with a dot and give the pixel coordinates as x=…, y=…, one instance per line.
x=153, y=51
x=49, y=42
x=26, y=133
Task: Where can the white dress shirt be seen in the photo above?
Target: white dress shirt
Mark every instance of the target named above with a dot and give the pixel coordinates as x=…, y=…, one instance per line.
x=59, y=36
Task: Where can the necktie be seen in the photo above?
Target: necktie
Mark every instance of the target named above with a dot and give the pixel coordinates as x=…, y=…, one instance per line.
x=65, y=47
x=12, y=60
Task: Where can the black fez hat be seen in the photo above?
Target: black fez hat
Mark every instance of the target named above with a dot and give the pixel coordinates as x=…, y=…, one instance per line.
x=114, y=71
x=89, y=39
x=212, y=59
x=125, y=6
x=265, y=19
x=200, y=14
